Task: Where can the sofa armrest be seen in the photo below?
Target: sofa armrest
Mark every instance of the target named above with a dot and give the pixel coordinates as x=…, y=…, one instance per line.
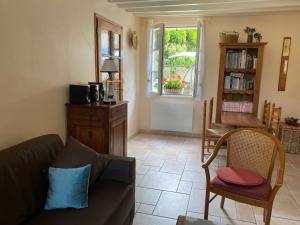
x=119, y=169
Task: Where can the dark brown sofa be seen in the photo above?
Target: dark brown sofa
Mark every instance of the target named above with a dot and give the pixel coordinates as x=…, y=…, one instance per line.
x=24, y=185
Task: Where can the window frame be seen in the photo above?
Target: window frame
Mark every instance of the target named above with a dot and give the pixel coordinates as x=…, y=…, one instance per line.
x=162, y=27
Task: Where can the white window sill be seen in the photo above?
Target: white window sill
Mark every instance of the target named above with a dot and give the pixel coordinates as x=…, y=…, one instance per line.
x=177, y=96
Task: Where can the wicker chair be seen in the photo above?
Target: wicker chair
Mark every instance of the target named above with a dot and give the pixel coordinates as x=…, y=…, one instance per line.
x=252, y=149
x=211, y=134
x=266, y=113
x=274, y=125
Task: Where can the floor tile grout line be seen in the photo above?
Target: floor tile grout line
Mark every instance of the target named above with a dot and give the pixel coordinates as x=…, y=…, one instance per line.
x=292, y=196
x=160, y=194
x=161, y=216
x=181, y=175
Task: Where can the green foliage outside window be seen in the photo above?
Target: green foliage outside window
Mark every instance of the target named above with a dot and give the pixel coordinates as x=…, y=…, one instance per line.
x=173, y=84
x=179, y=40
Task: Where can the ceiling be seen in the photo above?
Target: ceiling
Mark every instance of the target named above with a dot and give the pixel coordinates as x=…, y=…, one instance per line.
x=154, y=8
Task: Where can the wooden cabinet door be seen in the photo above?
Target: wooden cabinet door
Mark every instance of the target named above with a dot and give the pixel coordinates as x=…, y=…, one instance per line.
x=99, y=140
x=118, y=137
x=81, y=133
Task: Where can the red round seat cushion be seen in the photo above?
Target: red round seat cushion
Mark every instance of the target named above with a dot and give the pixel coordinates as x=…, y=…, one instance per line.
x=239, y=176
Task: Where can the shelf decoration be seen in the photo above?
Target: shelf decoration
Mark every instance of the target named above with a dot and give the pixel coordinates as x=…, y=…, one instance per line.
x=284, y=63
x=250, y=31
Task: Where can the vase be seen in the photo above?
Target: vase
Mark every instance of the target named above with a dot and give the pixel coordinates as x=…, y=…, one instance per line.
x=173, y=91
x=250, y=38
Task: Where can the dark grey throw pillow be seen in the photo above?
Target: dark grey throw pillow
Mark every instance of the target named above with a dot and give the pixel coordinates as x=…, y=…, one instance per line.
x=77, y=154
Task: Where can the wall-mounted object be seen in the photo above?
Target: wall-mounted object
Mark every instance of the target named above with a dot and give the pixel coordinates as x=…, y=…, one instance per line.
x=108, y=44
x=284, y=63
x=134, y=40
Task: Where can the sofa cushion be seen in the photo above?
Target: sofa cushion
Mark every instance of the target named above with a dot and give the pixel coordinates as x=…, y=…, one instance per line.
x=68, y=188
x=260, y=192
x=110, y=203
x=77, y=154
x=24, y=178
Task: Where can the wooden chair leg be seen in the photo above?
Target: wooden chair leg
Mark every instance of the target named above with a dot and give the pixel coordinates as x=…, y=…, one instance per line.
x=202, y=149
x=268, y=216
x=222, y=202
x=206, y=205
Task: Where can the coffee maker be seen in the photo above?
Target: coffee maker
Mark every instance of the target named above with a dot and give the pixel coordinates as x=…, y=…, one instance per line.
x=96, y=92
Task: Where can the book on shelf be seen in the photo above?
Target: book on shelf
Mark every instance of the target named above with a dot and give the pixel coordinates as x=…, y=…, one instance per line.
x=232, y=106
x=237, y=59
x=236, y=81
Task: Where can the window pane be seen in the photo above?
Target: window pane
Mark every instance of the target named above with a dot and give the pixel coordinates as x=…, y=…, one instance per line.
x=116, y=38
x=155, y=60
x=180, y=47
x=104, y=42
x=117, y=75
x=104, y=75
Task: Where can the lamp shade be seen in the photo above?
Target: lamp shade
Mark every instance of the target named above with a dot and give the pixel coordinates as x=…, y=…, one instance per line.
x=109, y=65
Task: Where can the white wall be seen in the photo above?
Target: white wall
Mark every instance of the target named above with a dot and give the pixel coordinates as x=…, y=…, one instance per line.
x=45, y=46
x=273, y=29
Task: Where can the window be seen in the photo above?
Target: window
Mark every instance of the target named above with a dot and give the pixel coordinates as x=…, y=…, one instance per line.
x=108, y=37
x=174, y=57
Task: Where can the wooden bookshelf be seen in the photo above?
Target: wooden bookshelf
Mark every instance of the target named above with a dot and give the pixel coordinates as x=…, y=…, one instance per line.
x=241, y=92
x=240, y=76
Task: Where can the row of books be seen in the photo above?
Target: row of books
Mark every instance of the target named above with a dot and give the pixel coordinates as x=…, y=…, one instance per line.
x=245, y=107
x=240, y=60
x=236, y=81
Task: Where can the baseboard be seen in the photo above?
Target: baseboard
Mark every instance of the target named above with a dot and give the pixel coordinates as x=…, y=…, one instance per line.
x=172, y=133
x=134, y=135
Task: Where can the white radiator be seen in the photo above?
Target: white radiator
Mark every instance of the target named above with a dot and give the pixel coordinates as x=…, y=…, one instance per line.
x=172, y=116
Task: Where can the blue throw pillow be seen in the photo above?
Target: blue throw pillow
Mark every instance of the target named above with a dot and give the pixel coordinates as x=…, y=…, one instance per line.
x=68, y=188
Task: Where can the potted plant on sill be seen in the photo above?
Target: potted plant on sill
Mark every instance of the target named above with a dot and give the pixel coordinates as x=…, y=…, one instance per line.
x=173, y=86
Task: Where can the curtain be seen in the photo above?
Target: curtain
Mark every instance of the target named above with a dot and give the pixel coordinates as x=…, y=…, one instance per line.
x=200, y=66
x=149, y=55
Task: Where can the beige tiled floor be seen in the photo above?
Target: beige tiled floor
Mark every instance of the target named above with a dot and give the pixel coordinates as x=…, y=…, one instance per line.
x=170, y=181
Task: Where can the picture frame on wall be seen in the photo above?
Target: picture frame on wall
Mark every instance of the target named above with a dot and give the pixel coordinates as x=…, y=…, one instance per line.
x=286, y=48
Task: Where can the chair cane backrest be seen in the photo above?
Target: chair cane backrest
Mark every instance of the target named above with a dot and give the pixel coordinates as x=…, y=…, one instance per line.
x=266, y=113
x=274, y=125
x=252, y=149
x=210, y=112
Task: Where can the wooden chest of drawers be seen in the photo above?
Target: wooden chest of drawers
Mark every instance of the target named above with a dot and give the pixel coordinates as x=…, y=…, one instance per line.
x=101, y=127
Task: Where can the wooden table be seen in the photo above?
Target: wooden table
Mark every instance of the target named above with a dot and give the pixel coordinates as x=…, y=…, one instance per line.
x=185, y=220
x=239, y=120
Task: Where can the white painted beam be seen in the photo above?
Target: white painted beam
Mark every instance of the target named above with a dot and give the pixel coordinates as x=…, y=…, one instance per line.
x=223, y=6
x=232, y=12
x=144, y=4
x=126, y=1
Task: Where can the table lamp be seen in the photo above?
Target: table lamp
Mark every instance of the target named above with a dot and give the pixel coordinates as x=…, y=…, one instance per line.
x=109, y=67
